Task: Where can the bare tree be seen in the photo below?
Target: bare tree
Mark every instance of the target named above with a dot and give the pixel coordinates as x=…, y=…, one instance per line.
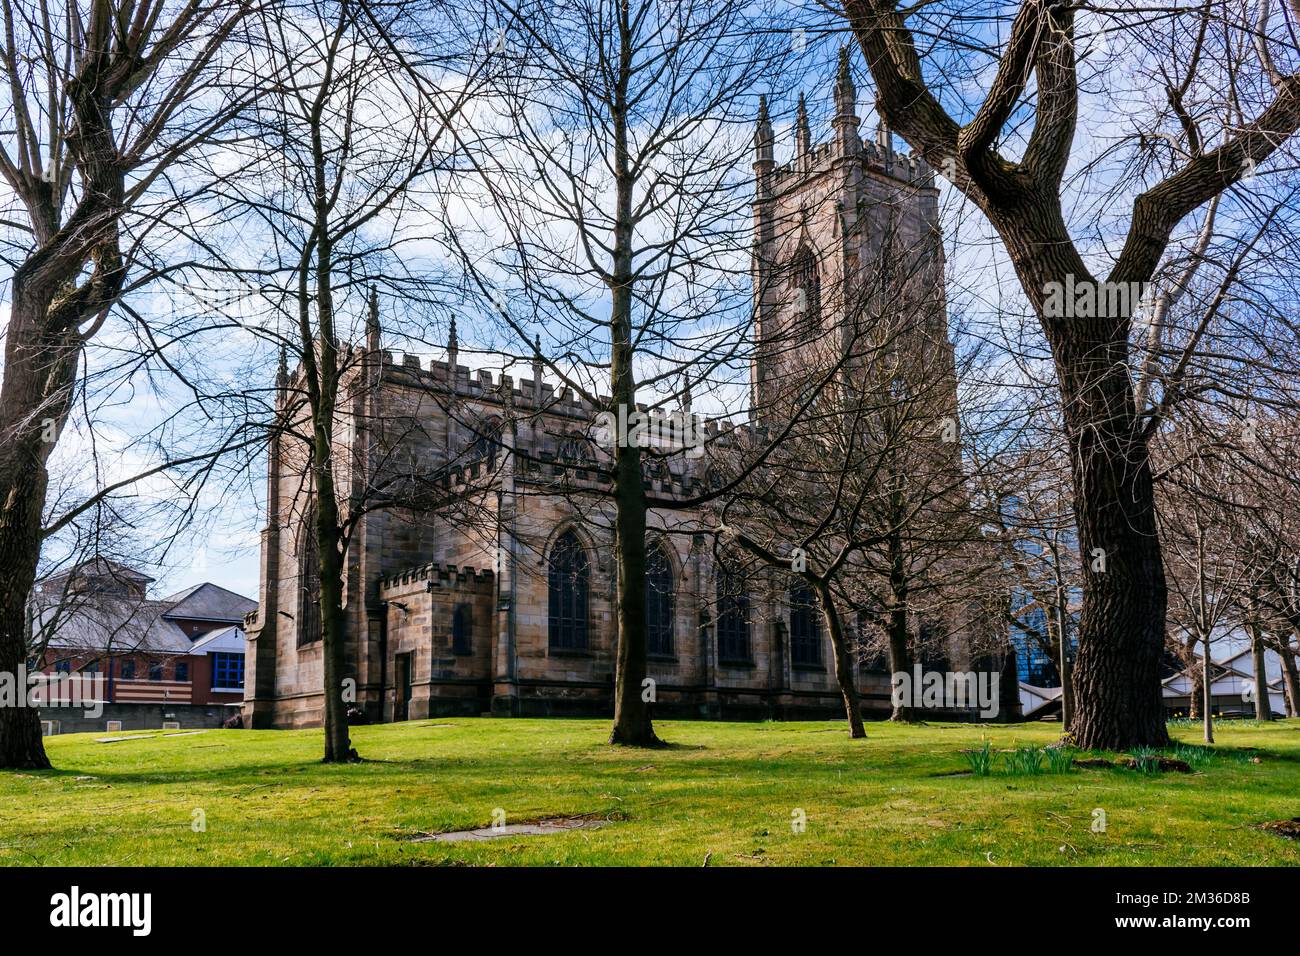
x=866, y=497
x=614, y=174
x=1029, y=503
x=1207, y=574
x=1217, y=138
x=342, y=154
x=103, y=99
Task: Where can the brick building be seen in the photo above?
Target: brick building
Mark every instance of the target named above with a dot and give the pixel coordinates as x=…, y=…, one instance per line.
x=154, y=661
x=508, y=607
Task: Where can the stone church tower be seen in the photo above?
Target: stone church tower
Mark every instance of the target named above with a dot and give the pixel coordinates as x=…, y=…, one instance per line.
x=839, y=230
x=503, y=601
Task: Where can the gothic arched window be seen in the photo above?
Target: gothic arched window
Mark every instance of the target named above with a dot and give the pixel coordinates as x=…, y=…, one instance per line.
x=733, y=617
x=487, y=440
x=575, y=449
x=658, y=603
x=568, y=580
x=653, y=469
x=461, y=621
x=805, y=282
x=805, y=628
x=309, y=622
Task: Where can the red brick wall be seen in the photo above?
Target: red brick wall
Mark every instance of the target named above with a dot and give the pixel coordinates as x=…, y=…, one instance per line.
x=200, y=672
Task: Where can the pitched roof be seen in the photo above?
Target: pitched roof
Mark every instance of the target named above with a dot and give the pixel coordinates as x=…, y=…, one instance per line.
x=1049, y=699
x=1050, y=693
x=91, y=570
x=96, y=620
x=120, y=625
x=226, y=639
x=1217, y=673
x=208, y=602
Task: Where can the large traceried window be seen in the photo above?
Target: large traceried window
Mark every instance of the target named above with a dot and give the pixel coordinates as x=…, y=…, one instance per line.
x=805, y=627
x=568, y=585
x=806, y=286
x=309, y=624
x=658, y=603
x=575, y=449
x=486, y=444
x=733, y=617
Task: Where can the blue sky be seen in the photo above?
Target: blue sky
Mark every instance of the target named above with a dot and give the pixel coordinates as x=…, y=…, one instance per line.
x=222, y=546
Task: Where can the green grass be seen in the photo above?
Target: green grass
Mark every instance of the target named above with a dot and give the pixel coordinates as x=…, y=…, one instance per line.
x=728, y=791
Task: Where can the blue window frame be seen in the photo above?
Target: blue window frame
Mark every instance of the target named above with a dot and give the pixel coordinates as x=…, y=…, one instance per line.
x=227, y=670
x=182, y=671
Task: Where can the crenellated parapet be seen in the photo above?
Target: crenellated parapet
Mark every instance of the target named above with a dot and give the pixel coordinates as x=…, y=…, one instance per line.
x=437, y=576
x=844, y=148
x=486, y=385
x=906, y=168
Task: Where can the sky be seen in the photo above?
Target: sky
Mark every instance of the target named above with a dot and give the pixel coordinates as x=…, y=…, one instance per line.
x=223, y=546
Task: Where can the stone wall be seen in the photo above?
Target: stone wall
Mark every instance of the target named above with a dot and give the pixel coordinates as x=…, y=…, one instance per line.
x=73, y=720
x=407, y=571
x=420, y=606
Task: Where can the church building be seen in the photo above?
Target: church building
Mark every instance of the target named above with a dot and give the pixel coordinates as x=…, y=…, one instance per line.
x=503, y=602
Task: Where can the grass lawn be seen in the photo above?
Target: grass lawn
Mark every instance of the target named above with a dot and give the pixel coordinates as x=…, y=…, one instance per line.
x=728, y=791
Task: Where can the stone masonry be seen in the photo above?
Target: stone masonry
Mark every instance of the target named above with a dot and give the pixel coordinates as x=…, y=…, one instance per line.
x=449, y=614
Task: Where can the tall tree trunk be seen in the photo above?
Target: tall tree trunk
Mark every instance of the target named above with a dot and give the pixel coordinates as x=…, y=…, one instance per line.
x=632, y=724
x=338, y=745
x=900, y=652
x=34, y=404
x=1207, y=691
x=843, y=663
x=43, y=345
x=1290, y=675
x=1122, y=628
x=1064, y=664
x=1263, y=705
x=323, y=376
x=20, y=727
x=1197, y=675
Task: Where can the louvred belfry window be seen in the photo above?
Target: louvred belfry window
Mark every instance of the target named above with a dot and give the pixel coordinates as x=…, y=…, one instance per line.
x=807, y=295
